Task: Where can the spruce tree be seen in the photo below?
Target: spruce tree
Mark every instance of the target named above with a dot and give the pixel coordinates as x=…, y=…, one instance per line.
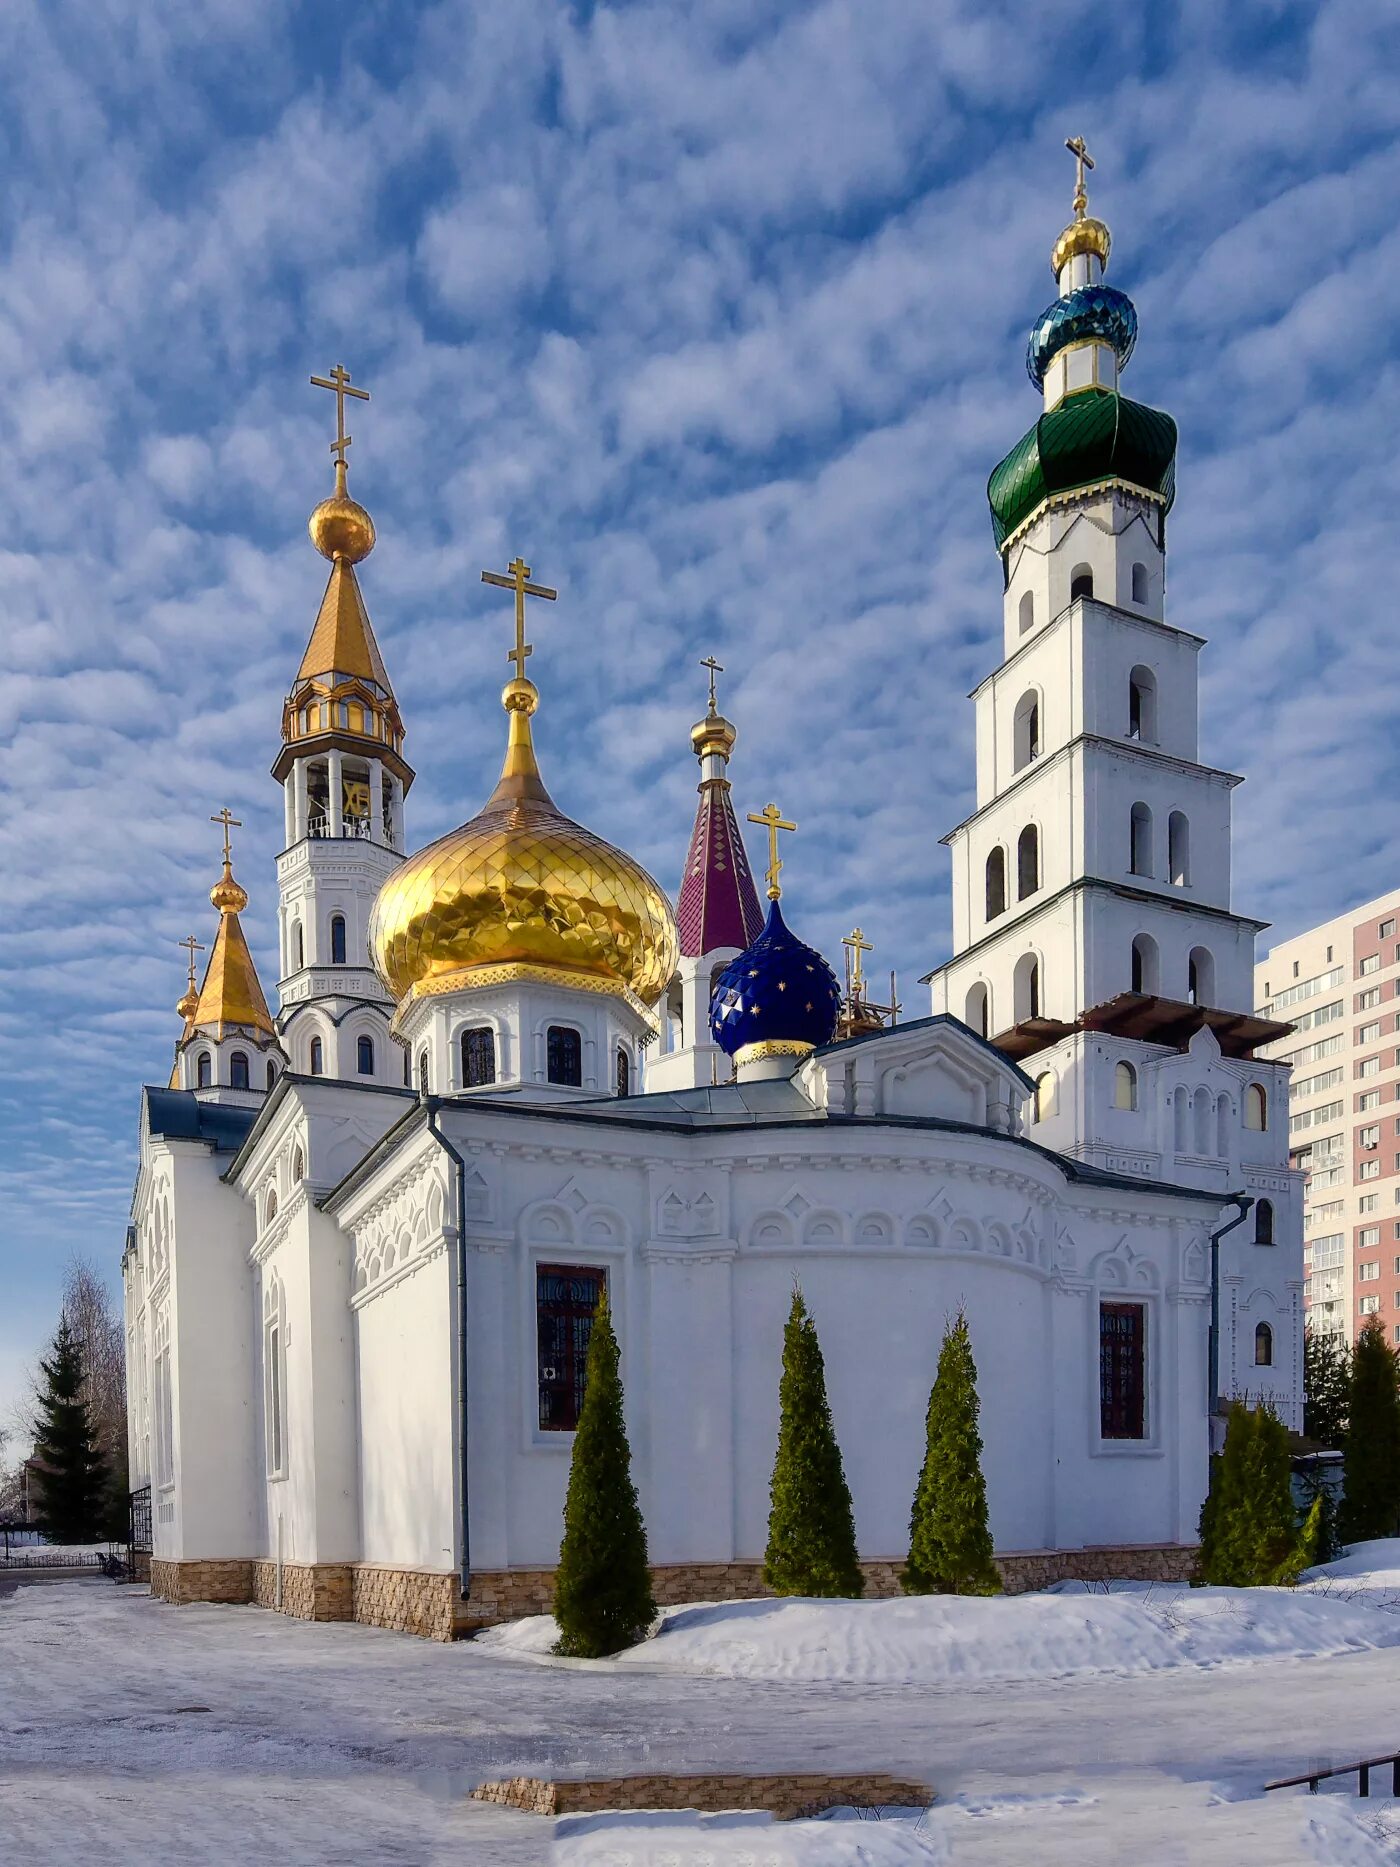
x=811, y=1525
x=1250, y=1536
x=602, y=1592
x=1371, y=1499
x=950, y=1544
x=1326, y=1385
x=72, y=1473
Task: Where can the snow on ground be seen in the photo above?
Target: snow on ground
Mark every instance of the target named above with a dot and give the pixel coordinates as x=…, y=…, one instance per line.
x=944, y=1640
x=131, y=1731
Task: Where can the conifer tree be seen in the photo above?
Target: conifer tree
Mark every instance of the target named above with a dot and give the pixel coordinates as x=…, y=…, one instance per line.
x=602, y=1592
x=950, y=1543
x=811, y=1525
x=1250, y=1535
x=1371, y=1499
x=72, y=1474
x=1326, y=1388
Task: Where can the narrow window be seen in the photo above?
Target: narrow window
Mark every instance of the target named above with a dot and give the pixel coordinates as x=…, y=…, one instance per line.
x=364, y=1055
x=624, y=1072
x=1264, y=1222
x=566, y=1297
x=1146, y=970
x=564, y=1063
x=1044, y=1094
x=1122, y=1371
x=422, y=1072
x=1027, y=613
x=1027, y=987
x=337, y=939
x=407, y=1069
x=1124, y=1086
x=238, y=1070
x=271, y=1073
x=271, y=1205
x=203, y=1070
x=1027, y=862
x=996, y=883
x=298, y=1164
x=1139, y=583
x=298, y=948
x=1142, y=705
x=1263, y=1346
x=1256, y=1108
x=1081, y=582
x=318, y=1057
x=1025, y=731
x=1140, y=840
x=1179, y=849
x=478, y=1056
x=275, y=1427
x=977, y=1016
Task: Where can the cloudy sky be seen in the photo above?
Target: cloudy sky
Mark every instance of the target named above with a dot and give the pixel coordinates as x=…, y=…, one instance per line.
x=716, y=312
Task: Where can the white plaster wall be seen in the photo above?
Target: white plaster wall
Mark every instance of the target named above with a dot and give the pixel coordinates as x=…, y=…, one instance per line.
x=520, y=1014
x=1109, y=531
x=407, y=1478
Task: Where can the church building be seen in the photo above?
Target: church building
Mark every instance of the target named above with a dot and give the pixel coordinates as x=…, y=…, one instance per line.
x=506, y=1074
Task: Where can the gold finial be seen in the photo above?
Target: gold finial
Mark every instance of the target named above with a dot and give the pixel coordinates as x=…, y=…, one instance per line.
x=226, y=894
x=339, y=527
x=518, y=579
x=230, y=822
x=772, y=818
x=1082, y=160
x=715, y=668
x=187, y=1004
x=856, y=946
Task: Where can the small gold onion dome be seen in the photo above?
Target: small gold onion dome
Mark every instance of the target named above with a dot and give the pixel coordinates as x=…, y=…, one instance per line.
x=522, y=885
x=186, y=1006
x=226, y=894
x=339, y=527
x=1081, y=236
x=713, y=734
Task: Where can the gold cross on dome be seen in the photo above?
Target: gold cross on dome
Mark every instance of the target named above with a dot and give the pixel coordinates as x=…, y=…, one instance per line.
x=519, y=581
x=715, y=668
x=194, y=946
x=230, y=822
x=856, y=946
x=772, y=818
x=1082, y=160
x=339, y=384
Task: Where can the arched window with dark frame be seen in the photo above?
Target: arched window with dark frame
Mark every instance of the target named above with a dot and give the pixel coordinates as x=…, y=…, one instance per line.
x=478, y=1056
x=1027, y=862
x=364, y=1055
x=1142, y=705
x=1263, y=1222
x=564, y=1056
x=1263, y=1346
x=422, y=1072
x=1081, y=582
x=298, y=947
x=1140, y=584
x=337, y=939
x=204, y=1070
x=624, y=1072
x=318, y=1057
x=238, y=1070
x=996, y=883
x=271, y=1073
x=1140, y=840
x=566, y=1299
x=1025, y=731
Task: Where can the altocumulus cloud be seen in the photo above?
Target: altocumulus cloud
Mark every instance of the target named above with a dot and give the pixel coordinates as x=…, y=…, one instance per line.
x=717, y=314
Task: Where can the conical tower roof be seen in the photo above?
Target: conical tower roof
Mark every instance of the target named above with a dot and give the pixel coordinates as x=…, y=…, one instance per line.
x=342, y=641
x=718, y=902
x=231, y=994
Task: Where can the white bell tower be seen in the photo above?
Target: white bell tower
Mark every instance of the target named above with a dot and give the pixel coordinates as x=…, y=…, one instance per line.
x=344, y=777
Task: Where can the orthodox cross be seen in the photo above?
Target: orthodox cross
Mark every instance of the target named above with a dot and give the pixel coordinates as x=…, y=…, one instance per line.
x=715, y=668
x=772, y=818
x=230, y=822
x=1082, y=160
x=519, y=581
x=194, y=947
x=856, y=945
x=338, y=383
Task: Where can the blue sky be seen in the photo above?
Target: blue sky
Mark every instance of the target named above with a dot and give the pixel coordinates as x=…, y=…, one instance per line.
x=716, y=313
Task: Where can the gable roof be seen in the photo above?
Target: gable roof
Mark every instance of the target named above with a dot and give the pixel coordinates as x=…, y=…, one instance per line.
x=180, y=1115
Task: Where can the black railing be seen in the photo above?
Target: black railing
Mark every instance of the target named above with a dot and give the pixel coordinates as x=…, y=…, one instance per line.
x=138, y=1534
x=1362, y=1769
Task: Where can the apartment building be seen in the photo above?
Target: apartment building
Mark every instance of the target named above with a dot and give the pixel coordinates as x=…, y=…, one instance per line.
x=1339, y=986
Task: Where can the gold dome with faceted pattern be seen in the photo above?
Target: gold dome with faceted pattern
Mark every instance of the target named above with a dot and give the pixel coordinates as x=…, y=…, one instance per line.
x=520, y=886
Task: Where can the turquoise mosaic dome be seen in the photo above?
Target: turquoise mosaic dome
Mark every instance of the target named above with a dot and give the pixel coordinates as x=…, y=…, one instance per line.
x=1094, y=311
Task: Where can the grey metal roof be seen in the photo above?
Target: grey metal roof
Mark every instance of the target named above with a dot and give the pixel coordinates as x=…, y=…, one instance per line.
x=179, y=1115
x=727, y=1105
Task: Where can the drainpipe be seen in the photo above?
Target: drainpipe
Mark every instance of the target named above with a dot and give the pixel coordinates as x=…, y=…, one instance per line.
x=431, y=1106
x=1243, y=1201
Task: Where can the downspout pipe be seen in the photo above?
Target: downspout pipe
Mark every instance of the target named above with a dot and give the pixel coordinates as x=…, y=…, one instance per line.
x=1243, y=1202
x=431, y=1105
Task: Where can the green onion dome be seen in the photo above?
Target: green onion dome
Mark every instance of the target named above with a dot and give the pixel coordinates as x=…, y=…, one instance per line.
x=1091, y=436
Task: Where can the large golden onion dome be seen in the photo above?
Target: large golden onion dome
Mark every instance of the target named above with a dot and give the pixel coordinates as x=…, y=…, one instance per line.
x=520, y=891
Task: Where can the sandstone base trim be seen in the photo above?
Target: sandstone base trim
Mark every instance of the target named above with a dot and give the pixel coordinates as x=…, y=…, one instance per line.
x=786, y=1797
x=201, y=1580
x=311, y=1591
x=408, y=1601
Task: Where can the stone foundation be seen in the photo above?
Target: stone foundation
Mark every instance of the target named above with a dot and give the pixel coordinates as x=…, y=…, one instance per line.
x=786, y=1797
x=409, y=1601
x=311, y=1591
x=201, y=1580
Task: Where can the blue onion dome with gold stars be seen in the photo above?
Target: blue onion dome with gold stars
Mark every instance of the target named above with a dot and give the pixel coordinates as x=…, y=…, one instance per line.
x=779, y=998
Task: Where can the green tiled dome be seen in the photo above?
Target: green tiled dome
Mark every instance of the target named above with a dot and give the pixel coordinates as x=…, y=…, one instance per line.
x=1095, y=435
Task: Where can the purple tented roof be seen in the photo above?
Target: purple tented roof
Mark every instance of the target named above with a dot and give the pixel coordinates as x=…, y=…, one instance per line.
x=718, y=903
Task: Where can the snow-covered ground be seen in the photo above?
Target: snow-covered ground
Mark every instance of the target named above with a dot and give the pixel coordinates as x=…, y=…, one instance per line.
x=131, y=1731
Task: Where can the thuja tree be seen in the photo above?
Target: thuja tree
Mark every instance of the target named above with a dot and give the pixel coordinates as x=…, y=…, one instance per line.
x=602, y=1592
x=1250, y=1535
x=950, y=1543
x=71, y=1471
x=811, y=1525
x=1326, y=1389
x=1371, y=1499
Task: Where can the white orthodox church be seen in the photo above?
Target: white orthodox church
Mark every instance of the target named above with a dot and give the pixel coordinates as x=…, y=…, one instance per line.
x=369, y=1232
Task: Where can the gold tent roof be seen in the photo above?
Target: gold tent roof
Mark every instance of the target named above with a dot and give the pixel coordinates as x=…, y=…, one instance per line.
x=342, y=642
x=231, y=993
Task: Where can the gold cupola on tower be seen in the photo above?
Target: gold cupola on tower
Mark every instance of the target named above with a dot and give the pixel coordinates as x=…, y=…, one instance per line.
x=520, y=891
x=231, y=997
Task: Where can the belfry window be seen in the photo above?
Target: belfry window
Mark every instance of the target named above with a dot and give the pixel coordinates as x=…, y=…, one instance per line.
x=1264, y=1222
x=564, y=1059
x=1122, y=1370
x=566, y=1297
x=238, y=1070
x=478, y=1056
x=1081, y=582
x=996, y=883
x=978, y=1014
x=1027, y=862
x=1140, y=840
x=337, y=939
x=1142, y=705
x=1124, y=1086
x=1025, y=731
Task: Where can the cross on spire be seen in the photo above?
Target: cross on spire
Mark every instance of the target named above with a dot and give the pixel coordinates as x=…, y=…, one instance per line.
x=338, y=383
x=772, y=818
x=230, y=822
x=715, y=668
x=856, y=946
x=1082, y=160
x=194, y=946
x=519, y=581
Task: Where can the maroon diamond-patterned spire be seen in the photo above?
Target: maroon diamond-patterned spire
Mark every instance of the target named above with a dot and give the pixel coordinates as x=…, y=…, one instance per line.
x=718, y=901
